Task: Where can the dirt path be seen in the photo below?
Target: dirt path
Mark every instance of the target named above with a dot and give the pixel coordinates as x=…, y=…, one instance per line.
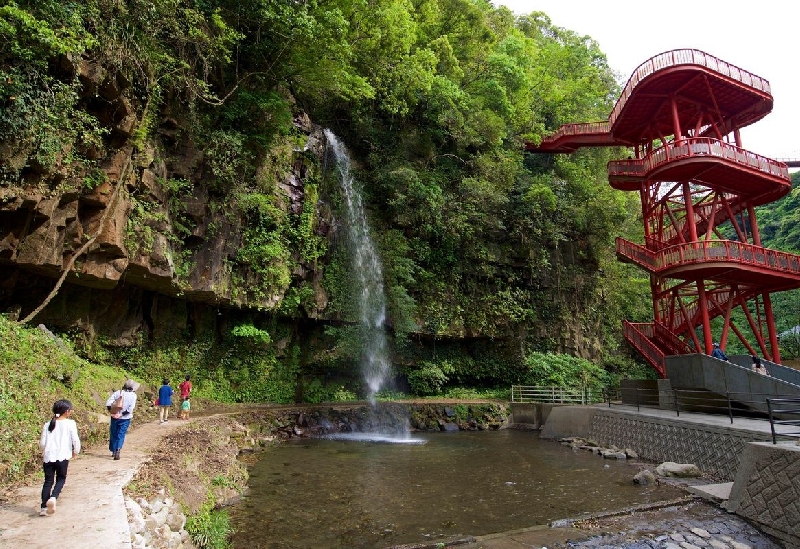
x=91, y=509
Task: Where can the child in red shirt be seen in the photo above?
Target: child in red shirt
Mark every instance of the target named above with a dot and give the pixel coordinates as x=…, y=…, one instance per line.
x=185, y=387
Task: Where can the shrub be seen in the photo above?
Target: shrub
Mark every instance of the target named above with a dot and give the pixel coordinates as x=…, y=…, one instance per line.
x=562, y=370
x=428, y=380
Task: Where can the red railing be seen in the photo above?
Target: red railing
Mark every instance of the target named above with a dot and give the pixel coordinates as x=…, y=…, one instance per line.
x=685, y=57
x=696, y=146
x=640, y=335
x=704, y=212
x=687, y=319
x=709, y=251
x=651, y=66
x=587, y=128
x=676, y=345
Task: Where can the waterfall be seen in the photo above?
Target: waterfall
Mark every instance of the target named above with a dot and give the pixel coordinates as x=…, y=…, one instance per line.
x=368, y=275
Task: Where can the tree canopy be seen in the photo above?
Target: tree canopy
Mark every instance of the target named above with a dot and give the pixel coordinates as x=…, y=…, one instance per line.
x=436, y=99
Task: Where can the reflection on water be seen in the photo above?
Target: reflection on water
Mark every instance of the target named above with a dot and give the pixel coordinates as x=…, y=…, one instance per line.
x=376, y=437
x=334, y=494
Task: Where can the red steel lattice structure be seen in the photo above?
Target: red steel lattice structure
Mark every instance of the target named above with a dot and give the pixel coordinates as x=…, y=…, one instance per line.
x=681, y=112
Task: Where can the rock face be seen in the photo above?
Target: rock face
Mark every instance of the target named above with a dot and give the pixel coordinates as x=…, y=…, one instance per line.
x=157, y=224
x=42, y=231
x=170, y=229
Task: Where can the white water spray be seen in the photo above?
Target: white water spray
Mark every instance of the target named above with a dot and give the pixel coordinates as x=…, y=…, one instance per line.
x=367, y=269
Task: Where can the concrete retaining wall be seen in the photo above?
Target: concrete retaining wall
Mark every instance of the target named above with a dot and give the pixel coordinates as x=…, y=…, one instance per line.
x=715, y=450
x=525, y=415
x=766, y=477
x=767, y=490
x=568, y=421
x=698, y=371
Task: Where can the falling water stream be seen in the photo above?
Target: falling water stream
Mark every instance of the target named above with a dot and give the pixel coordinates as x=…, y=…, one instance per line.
x=367, y=269
x=356, y=492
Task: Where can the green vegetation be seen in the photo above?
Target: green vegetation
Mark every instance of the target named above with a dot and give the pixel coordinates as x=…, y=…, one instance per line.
x=39, y=369
x=493, y=257
x=210, y=527
x=437, y=108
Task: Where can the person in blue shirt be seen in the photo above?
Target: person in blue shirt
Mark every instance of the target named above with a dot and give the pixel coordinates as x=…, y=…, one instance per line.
x=719, y=353
x=165, y=393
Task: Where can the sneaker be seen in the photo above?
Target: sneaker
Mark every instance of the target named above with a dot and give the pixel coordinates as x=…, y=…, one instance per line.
x=43, y=512
x=116, y=455
x=51, y=506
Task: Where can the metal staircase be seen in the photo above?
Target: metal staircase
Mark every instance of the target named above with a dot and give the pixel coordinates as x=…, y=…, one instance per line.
x=681, y=112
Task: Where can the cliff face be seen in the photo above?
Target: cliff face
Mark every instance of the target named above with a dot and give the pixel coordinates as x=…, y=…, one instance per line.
x=156, y=232
x=149, y=234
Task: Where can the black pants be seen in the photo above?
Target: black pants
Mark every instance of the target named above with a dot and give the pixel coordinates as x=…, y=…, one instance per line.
x=54, y=470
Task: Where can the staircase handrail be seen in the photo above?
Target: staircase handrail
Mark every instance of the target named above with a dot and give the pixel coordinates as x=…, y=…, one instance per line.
x=691, y=253
x=687, y=147
x=704, y=212
x=582, y=128
x=676, y=344
x=637, y=335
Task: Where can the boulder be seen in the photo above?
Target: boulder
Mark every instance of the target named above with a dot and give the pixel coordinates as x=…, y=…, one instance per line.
x=644, y=478
x=681, y=470
x=631, y=454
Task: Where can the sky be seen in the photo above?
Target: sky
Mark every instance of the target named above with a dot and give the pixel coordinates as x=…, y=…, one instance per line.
x=756, y=36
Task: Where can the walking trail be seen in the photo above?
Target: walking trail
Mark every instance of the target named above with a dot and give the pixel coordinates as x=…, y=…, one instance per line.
x=91, y=508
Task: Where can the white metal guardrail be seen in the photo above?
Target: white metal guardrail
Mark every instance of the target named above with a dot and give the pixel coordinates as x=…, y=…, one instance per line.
x=560, y=395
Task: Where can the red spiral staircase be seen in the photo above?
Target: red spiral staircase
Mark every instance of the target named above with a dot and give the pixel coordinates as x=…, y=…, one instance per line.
x=680, y=113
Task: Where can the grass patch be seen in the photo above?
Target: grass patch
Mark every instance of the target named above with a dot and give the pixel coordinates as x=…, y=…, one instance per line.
x=38, y=369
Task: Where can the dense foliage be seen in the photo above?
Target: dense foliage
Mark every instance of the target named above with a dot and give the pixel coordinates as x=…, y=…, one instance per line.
x=436, y=99
x=779, y=226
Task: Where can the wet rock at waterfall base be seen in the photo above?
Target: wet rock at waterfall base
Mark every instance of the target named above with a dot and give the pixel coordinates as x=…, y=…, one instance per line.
x=644, y=478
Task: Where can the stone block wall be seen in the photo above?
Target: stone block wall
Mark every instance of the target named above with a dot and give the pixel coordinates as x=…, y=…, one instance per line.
x=716, y=451
x=767, y=490
x=766, y=476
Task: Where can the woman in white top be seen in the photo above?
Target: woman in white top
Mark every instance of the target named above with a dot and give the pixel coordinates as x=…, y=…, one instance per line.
x=59, y=443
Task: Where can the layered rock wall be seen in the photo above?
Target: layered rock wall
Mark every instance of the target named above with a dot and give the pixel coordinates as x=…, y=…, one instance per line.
x=149, y=236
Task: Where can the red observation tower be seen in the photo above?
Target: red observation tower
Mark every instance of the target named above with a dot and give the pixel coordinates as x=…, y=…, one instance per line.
x=681, y=112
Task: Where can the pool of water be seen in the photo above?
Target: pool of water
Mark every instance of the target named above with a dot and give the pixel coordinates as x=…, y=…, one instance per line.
x=350, y=494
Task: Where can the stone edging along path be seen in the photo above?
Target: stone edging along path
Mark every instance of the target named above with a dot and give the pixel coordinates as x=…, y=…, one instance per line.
x=91, y=509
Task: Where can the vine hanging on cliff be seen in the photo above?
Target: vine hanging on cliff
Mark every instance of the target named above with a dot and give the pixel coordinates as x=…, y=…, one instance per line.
x=71, y=263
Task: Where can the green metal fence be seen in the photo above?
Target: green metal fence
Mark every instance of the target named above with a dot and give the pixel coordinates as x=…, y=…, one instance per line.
x=552, y=394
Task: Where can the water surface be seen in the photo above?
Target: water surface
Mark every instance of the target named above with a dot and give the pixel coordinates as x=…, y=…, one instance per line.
x=335, y=494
